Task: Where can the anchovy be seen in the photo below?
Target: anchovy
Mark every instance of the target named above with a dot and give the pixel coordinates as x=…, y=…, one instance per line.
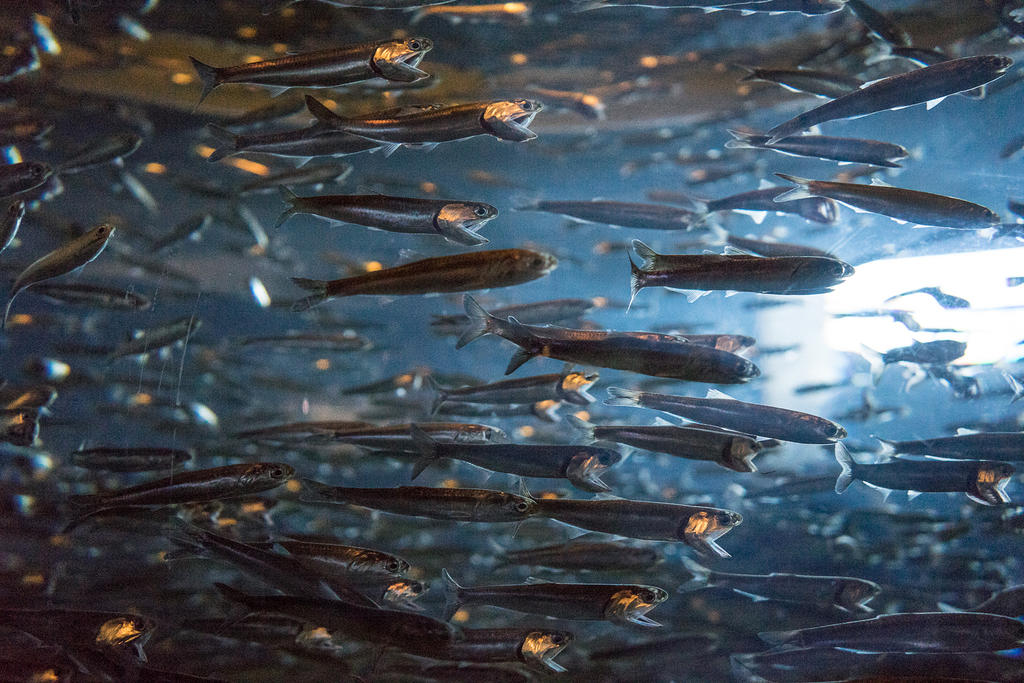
x=700, y=273
x=644, y=353
x=621, y=214
x=566, y=386
x=530, y=646
x=316, y=342
x=938, y=352
x=457, y=273
x=992, y=445
x=765, y=248
x=120, y=459
x=156, y=338
x=585, y=104
x=618, y=603
x=581, y=555
x=756, y=203
x=10, y=222
x=304, y=143
x=310, y=175
x=697, y=526
x=1008, y=602
x=728, y=449
x=879, y=24
x=845, y=592
x=14, y=397
x=456, y=221
x=503, y=119
x=414, y=633
x=727, y=413
x=581, y=465
x=947, y=301
x=94, y=296
x=931, y=84
x=190, y=228
x=109, y=149
x=910, y=632
x=821, y=83
x=23, y=176
x=900, y=204
x=61, y=261
x=984, y=481
x=270, y=6
x=393, y=60
x=554, y=311
x=843, y=150
x=457, y=505
x=348, y=563
x=389, y=437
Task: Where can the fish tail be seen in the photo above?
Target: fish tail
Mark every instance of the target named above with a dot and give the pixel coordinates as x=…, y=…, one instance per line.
x=701, y=575
x=228, y=139
x=636, y=282
x=315, y=491
x=845, y=461
x=318, y=296
x=210, y=77
x=888, y=447
x=321, y=112
x=188, y=537
x=585, y=428
x=427, y=446
x=518, y=358
x=801, y=190
x=651, y=259
x=441, y=396
x=623, y=397
x=480, y=322
x=289, y=198
x=452, y=595
x=740, y=140
x=232, y=594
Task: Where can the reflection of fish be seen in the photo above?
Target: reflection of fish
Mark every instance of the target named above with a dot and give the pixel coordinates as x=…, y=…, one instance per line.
x=566, y=386
x=821, y=83
x=994, y=445
x=620, y=214
x=583, y=555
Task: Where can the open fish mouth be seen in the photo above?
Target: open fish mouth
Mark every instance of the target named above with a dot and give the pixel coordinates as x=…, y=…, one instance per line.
x=511, y=119
x=399, y=61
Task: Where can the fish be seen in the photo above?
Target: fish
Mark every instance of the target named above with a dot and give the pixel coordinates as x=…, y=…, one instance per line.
x=580, y=554
x=900, y=204
x=878, y=24
x=498, y=12
x=22, y=177
x=698, y=274
x=393, y=60
x=459, y=222
x=618, y=603
x=1008, y=446
x=10, y=222
x=620, y=214
x=535, y=647
x=1008, y=602
x=351, y=564
x=451, y=504
x=766, y=248
x=756, y=203
x=820, y=83
x=93, y=295
x=275, y=5
x=302, y=144
x=503, y=119
x=930, y=84
x=697, y=526
x=947, y=301
x=644, y=353
x=129, y=459
x=984, y=481
x=456, y=273
x=568, y=386
x=585, y=104
x=189, y=229
x=911, y=632
x=387, y=437
x=553, y=311
x=110, y=149
x=581, y=465
x=310, y=175
x=156, y=338
x=843, y=150
x=318, y=343
x=65, y=259
x=938, y=352
x=728, y=449
x=846, y=593
x=720, y=410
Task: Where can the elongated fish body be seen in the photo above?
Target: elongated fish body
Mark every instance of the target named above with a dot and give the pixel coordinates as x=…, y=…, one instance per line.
x=457, y=273
x=984, y=481
x=457, y=505
x=821, y=83
x=93, y=296
x=580, y=555
x=816, y=209
x=109, y=149
x=737, y=272
x=531, y=646
x=581, y=465
x=377, y=437
x=23, y=176
x=843, y=150
x=645, y=353
x=311, y=175
x=393, y=60
x=765, y=248
x=727, y=413
x=196, y=486
x=10, y=222
x=561, y=386
x=407, y=631
x=733, y=451
x=270, y=6
x=82, y=628
x=911, y=632
x=456, y=221
x=157, y=338
x=114, y=459
x=903, y=90
x=62, y=261
x=621, y=214
x=807, y=7
x=314, y=141
x=350, y=563
x=623, y=603
x=938, y=352
x=1009, y=602
x=504, y=119
x=333, y=343
x=697, y=526
x=990, y=445
x=554, y=311
x=911, y=206
x=879, y=24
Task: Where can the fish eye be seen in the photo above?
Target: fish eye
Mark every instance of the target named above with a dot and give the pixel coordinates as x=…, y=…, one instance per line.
x=522, y=506
x=557, y=638
x=415, y=44
x=480, y=211
x=392, y=566
x=277, y=473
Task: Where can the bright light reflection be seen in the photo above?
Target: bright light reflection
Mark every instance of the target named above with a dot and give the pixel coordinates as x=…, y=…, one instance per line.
x=992, y=326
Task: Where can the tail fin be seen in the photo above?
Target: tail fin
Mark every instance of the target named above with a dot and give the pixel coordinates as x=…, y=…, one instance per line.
x=584, y=427
x=318, y=296
x=427, y=446
x=210, y=77
x=232, y=594
x=701, y=575
x=226, y=137
x=322, y=113
x=289, y=198
x=740, y=140
x=647, y=255
x=316, y=492
x=636, y=282
x=888, y=447
x=452, y=595
x=799, y=192
x=845, y=461
x=441, y=396
x=776, y=637
x=623, y=397
x=479, y=322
